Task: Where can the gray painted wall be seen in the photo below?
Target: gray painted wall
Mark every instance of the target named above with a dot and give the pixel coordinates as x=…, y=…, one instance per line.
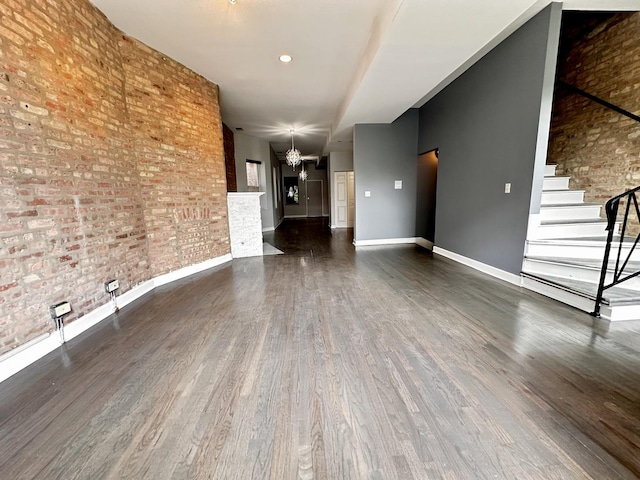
x=486, y=126
x=300, y=210
x=253, y=148
x=276, y=189
x=383, y=153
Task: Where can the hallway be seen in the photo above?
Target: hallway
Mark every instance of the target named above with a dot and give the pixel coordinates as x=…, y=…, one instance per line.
x=332, y=363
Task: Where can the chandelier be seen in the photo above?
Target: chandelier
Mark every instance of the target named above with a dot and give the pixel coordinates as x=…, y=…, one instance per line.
x=293, y=155
x=303, y=173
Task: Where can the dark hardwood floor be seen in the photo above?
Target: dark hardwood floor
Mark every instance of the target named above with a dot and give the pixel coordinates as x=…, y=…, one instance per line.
x=332, y=363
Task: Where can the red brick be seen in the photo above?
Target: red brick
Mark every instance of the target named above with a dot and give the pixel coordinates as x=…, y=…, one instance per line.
x=594, y=145
x=103, y=113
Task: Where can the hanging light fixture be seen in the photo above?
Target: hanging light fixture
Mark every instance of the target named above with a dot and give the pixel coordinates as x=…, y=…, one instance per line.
x=303, y=173
x=293, y=155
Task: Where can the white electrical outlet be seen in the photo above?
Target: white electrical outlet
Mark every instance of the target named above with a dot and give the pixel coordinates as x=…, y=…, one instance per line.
x=111, y=286
x=60, y=309
x=367, y=193
x=397, y=185
x=507, y=188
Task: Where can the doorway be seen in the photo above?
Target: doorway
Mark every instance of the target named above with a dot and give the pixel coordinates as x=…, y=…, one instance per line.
x=345, y=200
x=426, y=194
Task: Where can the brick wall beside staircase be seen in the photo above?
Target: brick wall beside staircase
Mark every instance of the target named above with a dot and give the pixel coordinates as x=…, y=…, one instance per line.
x=597, y=147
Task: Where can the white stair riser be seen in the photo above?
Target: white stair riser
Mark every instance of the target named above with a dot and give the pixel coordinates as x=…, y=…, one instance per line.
x=575, y=300
x=590, y=275
x=571, y=196
x=619, y=313
x=571, y=230
x=613, y=314
x=570, y=213
x=549, y=170
x=555, y=183
x=590, y=252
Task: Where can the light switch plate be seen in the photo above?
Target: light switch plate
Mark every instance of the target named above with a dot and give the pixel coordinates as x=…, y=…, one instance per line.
x=507, y=188
x=398, y=185
x=367, y=193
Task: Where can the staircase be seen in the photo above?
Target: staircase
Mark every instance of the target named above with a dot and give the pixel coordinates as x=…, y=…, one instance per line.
x=563, y=255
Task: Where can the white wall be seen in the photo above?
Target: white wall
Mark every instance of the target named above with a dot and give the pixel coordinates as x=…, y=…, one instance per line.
x=338, y=162
x=253, y=148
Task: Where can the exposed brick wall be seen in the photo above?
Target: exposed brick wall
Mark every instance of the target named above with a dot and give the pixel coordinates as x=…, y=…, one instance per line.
x=177, y=132
x=78, y=204
x=230, y=158
x=597, y=147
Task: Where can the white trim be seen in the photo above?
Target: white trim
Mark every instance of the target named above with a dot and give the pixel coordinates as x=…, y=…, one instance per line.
x=483, y=267
x=533, y=226
x=384, y=241
x=190, y=270
x=423, y=242
x=244, y=194
x=23, y=356
x=271, y=229
x=14, y=361
x=392, y=241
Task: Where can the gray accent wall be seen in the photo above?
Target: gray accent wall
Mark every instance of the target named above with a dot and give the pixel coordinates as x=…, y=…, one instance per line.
x=253, y=148
x=382, y=154
x=486, y=126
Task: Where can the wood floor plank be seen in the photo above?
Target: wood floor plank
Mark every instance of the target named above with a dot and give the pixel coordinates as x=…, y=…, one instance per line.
x=332, y=363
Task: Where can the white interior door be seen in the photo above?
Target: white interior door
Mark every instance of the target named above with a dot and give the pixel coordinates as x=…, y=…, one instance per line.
x=340, y=194
x=351, y=199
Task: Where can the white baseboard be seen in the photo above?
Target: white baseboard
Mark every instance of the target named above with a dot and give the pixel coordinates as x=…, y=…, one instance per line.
x=383, y=241
x=483, y=267
x=271, y=229
x=191, y=270
x=394, y=241
x=23, y=356
x=423, y=242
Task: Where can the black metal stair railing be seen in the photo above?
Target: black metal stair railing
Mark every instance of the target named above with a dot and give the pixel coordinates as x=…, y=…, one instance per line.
x=620, y=275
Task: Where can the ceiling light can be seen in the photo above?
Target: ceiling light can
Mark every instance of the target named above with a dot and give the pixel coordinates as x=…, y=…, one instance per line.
x=285, y=58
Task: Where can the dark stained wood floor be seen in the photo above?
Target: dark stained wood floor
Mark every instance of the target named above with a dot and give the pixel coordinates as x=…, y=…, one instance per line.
x=332, y=363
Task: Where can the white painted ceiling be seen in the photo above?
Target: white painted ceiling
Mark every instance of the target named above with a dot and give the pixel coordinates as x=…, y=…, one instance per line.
x=354, y=61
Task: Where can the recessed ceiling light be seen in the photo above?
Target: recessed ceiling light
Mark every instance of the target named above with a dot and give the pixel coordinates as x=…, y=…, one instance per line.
x=285, y=58
x=232, y=2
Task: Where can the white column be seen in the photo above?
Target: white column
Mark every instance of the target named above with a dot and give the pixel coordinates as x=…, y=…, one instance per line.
x=245, y=224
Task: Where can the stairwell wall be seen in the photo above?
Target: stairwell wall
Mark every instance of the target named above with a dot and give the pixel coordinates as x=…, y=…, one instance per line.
x=487, y=126
x=598, y=147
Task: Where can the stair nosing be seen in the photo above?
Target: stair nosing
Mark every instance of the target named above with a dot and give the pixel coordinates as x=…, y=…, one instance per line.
x=577, y=221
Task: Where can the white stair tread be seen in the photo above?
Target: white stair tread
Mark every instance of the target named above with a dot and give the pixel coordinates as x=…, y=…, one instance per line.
x=589, y=263
x=583, y=241
x=580, y=221
x=568, y=205
x=612, y=296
